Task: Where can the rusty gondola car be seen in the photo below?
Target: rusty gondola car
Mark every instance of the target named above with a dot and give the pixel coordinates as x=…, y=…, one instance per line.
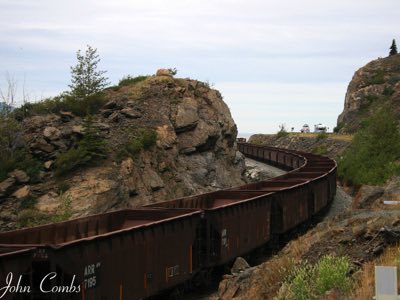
x=236, y=222
x=134, y=254
x=127, y=254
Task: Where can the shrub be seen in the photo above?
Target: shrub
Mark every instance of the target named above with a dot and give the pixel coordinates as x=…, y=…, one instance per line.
x=28, y=203
x=320, y=150
x=308, y=282
x=64, y=102
x=144, y=139
x=301, y=284
x=338, y=127
x=282, y=131
x=65, y=209
x=89, y=150
x=129, y=80
x=148, y=137
x=372, y=157
x=377, y=78
x=71, y=160
x=32, y=217
x=332, y=272
x=322, y=136
x=134, y=146
x=13, y=150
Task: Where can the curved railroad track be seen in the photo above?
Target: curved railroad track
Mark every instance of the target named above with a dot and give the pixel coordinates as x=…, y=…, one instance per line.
x=137, y=253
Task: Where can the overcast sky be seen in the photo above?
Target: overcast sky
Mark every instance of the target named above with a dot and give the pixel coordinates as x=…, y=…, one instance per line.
x=274, y=62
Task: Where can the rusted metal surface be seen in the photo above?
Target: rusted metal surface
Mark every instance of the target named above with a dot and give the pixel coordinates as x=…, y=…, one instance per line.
x=236, y=222
x=134, y=254
x=143, y=251
x=304, y=191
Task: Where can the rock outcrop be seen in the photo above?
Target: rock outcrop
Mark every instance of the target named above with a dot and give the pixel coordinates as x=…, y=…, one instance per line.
x=323, y=144
x=194, y=152
x=372, y=86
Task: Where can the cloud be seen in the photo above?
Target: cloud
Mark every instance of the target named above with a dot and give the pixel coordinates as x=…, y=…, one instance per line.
x=306, y=46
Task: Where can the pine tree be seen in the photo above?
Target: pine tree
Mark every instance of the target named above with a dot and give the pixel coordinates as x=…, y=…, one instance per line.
x=90, y=149
x=86, y=79
x=92, y=142
x=393, y=48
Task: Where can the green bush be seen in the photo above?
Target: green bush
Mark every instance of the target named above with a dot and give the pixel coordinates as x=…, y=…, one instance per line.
x=337, y=128
x=64, y=102
x=320, y=150
x=31, y=217
x=143, y=139
x=28, y=203
x=134, y=146
x=377, y=78
x=89, y=150
x=71, y=160
x=129, y=80
x=148, y=137
x=301, y=284
x=21, y=160
x=322, y=136
x=373, y=156
x=282, y=131
x=308, y=282
x=14, y=153
x=332, y=272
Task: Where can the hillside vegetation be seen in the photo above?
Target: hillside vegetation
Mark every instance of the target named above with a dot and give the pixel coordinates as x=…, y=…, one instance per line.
x=148, y=139
x=372, y=87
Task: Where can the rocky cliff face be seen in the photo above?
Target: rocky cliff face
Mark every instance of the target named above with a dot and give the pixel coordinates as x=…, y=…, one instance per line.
x=195, y=151
x=372, y=86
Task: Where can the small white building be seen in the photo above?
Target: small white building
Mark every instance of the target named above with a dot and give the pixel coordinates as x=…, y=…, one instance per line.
x=320, y=128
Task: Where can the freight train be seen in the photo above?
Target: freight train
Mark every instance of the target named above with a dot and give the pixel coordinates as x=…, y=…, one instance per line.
x=137, y=253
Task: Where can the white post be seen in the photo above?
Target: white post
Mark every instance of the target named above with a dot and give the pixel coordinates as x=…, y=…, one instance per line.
x=385, y=283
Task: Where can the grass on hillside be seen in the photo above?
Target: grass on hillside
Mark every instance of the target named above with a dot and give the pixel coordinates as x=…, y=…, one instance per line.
x=334, y=136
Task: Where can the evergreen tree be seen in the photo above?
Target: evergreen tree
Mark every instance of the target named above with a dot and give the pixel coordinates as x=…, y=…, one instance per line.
x=393, y=48
x=86, y=79
x=90, y=150
x=92, y=142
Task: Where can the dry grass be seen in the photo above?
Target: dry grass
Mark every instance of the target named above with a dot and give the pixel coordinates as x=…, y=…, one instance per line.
x=365, y=278
x=334, y=136
x=274, y=272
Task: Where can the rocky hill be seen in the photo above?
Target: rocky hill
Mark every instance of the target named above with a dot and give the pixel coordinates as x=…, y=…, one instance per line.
x=322, y=144
x=372, y=86
x=193, y=152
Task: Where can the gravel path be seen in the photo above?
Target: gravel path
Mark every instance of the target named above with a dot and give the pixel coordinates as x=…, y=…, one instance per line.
x=340, y=204
x=257, y=171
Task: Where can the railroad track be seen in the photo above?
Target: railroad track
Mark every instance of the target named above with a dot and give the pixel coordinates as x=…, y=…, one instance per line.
x=137, y=253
